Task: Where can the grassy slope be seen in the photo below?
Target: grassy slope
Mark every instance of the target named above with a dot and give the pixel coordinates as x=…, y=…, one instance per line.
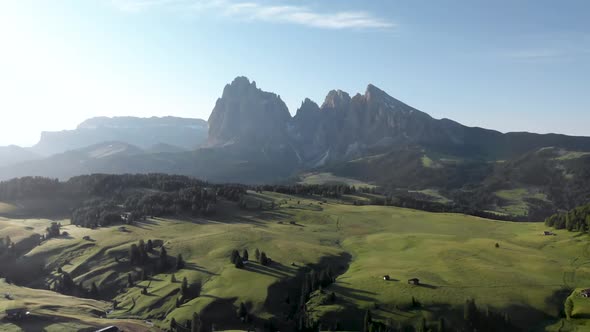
x=453, y=255
x=516, y=200
x=50, y=311
x=329, y=178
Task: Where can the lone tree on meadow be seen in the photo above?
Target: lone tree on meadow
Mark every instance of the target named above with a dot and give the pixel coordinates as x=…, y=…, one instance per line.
x=245, y=255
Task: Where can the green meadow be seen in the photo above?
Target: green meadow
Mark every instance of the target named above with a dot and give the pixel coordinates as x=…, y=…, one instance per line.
x=505, y=266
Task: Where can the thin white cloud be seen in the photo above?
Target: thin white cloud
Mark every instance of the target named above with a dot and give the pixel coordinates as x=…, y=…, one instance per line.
x=259, y=11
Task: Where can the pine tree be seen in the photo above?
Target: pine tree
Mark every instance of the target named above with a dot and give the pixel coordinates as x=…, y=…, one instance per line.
x=179, y=262
x=368, y=321
x=93, y=290
x=257, y=254
x=569, y=307
x=196, y=323
x=149, y=247
x=129, y=280
x=245, y=255
x=239, y=263
x=441, y=325
x=242, y=312
x=470, y=312
x=172, y=278
x=184, y=287
x=143, y=256
x=163, y=258
x=423, y=327
x=263, y=258
x=234, y=256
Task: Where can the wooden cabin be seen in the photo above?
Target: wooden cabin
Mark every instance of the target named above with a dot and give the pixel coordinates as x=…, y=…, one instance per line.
x=414, y=281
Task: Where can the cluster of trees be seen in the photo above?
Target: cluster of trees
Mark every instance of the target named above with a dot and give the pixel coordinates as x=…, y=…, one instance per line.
x=139, y=255
x=64, y=283
x=238, y=260
x=324, y=190
x=100, y=199
x=576, y=220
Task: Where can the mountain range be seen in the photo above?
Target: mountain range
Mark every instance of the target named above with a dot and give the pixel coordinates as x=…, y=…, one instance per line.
x=251, y=137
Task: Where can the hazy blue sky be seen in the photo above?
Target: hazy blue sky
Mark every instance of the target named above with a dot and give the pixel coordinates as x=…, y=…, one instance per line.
x=508, y=65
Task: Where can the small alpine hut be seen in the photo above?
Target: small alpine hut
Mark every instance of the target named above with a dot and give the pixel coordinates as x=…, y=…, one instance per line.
x=414, y=281
x=386, y=277
x=585, y=292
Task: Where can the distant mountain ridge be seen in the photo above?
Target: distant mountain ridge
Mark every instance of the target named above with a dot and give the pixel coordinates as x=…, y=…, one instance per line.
x=252, y=138
x=13, y=154
x=143, y=132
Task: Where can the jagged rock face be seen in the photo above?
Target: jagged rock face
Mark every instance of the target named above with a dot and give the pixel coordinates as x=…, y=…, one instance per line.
x=247, y=115
x=345, y=127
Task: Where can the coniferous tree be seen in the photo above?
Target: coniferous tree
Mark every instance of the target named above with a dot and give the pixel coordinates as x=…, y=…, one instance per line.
x=179, y=262
x=129, y=280
x=149, y=247
x=172, y=324
x=172, y=278
x=263, y=258
x=184, y=287
x=196, y=323
x=93, y=291
x=163, y=259
x=242, y=312
x=257, y=254
x=441, y=325
x=142, y=252
x=245, y=255
x=234, y=256
x=368, y=321
x=239, y=263
x=569, y=307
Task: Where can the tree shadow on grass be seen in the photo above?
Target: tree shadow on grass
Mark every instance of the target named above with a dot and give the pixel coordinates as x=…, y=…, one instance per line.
x=356, y=294
x=257, y=268
x=195, y=267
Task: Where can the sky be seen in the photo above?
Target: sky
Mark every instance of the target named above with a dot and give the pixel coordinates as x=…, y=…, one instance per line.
x=506, y=65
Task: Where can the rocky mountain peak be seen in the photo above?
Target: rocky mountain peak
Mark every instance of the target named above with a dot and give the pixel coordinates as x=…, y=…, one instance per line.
x=308, y=108
x=246, y=114
x=336, y=99
x=240, y=86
